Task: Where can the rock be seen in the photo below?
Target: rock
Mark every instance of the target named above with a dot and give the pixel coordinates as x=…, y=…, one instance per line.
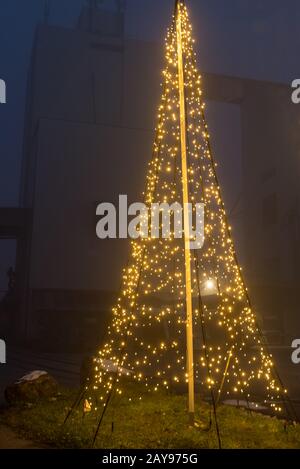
x=30, y=388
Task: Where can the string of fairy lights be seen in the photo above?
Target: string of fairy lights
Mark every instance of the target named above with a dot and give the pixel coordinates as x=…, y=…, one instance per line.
x=146, y=338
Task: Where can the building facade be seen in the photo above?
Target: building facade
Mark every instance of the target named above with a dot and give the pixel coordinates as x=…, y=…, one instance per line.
x=91, y=111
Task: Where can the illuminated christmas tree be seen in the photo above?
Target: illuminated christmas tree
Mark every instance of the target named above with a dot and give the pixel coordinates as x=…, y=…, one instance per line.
x=184, y=315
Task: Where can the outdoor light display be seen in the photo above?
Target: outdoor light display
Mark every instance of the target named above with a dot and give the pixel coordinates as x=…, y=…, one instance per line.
x=184, y=315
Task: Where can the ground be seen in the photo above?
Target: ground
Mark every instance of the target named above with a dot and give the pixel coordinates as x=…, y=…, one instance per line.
x=157, y=421
x=9, y=439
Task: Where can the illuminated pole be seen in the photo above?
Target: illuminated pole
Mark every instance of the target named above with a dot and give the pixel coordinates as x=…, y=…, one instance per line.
x=185, y=187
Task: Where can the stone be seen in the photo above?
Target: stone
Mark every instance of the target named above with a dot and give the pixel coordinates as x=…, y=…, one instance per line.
x=30, y=388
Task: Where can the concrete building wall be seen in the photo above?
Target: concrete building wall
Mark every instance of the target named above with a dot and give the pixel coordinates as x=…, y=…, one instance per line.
x=79, y=166
x=271, y=202
x=82, y=126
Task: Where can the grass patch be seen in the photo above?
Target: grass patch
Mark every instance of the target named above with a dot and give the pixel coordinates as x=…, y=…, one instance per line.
x=158, y=421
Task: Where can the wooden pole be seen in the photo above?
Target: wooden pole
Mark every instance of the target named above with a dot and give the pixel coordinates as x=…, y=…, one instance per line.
x=185, y=190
